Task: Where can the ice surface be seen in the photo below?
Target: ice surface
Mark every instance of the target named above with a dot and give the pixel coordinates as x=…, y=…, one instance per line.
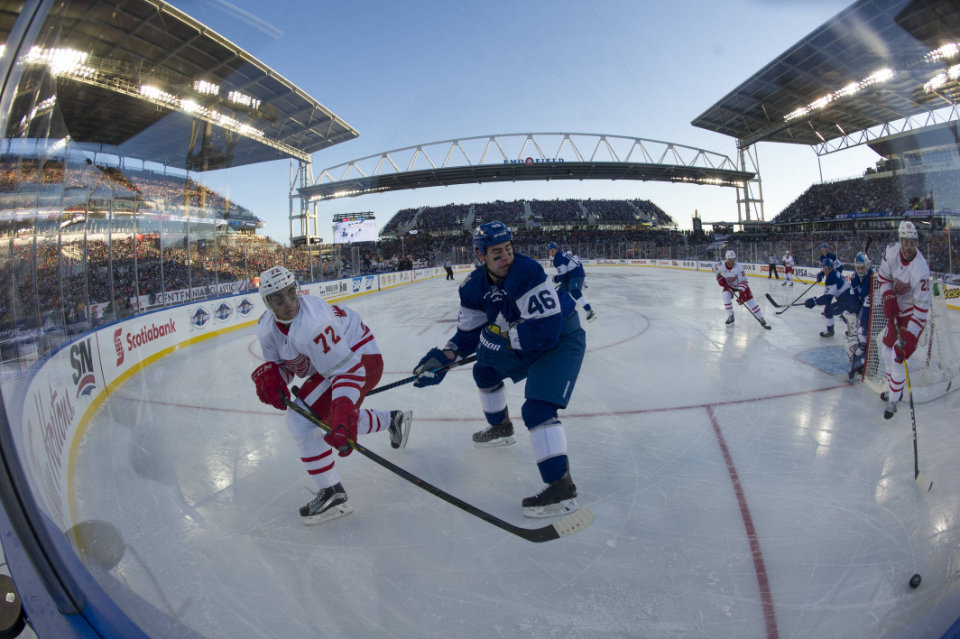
x=741, y=488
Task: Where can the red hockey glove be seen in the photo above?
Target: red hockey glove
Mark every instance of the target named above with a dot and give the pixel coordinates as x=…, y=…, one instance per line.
x=904, y=348
x=343, y=425
x=723, y=284
x=890, y=306
x=271, y=389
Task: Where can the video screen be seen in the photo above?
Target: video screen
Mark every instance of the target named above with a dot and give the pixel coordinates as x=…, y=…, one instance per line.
x=357, y=230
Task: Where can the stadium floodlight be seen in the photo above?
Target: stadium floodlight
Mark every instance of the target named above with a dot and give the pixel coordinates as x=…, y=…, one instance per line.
x=877, y=77
x=206, y=88
x=935, y=82
x=822, y=103
x=61, y=61
x=851, y=89
x=238, y=97
x=157, y=94
x=946, y=52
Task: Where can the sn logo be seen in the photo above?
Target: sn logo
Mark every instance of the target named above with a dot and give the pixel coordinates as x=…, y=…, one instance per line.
x=81, y=361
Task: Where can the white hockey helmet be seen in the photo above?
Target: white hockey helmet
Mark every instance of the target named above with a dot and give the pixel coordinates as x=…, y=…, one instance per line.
x=730, y=255
x=907, y=229
x=275, y=279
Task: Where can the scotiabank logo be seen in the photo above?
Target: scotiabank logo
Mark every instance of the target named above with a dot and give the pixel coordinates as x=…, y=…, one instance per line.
x=143, y=337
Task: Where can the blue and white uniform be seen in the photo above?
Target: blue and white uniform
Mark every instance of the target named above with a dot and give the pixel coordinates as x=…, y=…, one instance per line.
x=547, y=348
x=858, y=301
x=835, y=286
x=570, y=276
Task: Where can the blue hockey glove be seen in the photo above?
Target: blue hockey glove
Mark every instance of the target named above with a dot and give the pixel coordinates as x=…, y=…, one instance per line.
x=557, y=279
x=494, y=349
x=426, y=370
x=820, y=276
x=811, y=302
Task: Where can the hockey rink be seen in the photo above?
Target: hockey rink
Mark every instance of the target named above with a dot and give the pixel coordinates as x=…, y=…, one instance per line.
x=741, y=488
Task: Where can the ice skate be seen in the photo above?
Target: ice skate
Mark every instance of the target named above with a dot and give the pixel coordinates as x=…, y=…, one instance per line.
x=591, y=315
x=499, y=435
x=763, y=323
x=827, y=333
x=857, y=370
x=557, y=498
x=784, y=284
x=400, y=421
x=729, y=319
x=329, y=503
x=890, y=410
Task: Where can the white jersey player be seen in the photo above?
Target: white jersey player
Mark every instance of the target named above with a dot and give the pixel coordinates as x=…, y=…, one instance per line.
x=336, y=353
x=788, y=265
x=733, y=280
x=904, y=281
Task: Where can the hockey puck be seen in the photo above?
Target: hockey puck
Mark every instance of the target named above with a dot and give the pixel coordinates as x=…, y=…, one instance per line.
x=915, y=580
x=11, y=611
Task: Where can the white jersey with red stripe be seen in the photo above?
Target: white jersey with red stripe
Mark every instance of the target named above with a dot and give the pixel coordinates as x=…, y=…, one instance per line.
x=735, y=276
x=322, y=339
x=910, y=282
x=788, y=263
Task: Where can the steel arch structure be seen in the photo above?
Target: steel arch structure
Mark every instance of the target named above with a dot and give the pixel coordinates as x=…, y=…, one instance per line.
x=521, y=156
x=511, y=157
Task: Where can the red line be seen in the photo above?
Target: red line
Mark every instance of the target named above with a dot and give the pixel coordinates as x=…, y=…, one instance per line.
x=769, y=617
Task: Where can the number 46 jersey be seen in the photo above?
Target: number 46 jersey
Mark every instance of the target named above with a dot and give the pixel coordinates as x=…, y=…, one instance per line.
x=528, y=309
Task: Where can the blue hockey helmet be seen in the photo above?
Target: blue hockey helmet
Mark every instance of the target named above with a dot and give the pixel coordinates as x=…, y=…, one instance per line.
x=827, y=261
x=489, y=234
x=861, y=258
x=552, y=245
x=824, y=245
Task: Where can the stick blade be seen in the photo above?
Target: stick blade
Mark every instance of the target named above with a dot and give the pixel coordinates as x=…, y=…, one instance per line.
x=925, y=484
x=576, y=521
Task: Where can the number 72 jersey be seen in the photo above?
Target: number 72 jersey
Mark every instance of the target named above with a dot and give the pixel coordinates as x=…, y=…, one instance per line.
x=322, y=338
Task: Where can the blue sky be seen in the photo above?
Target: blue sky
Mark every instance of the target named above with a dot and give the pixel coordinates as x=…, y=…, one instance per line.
x=405, y=73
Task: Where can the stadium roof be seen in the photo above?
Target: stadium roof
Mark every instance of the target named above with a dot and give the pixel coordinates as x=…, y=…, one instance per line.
x=839, y=60
x=207, y=103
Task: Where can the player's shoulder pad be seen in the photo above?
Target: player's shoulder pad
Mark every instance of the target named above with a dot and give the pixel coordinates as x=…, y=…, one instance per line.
x=471, y=288
x=525, y=273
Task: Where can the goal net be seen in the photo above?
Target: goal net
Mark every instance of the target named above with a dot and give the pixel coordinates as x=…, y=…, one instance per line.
x=934, y=368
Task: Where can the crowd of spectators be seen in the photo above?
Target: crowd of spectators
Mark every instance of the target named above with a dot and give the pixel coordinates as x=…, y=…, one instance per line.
x=876, y=193
x=120, y=267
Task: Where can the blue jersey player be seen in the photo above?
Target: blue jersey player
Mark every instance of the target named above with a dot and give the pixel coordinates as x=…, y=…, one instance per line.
x=521, y=328
x=570, y=276
x=857, y=301
x=825, y=254
x=834, y=286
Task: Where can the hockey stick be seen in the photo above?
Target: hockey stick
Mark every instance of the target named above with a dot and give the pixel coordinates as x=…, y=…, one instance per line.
x=572, y=523
x=750, y=310
x=924, y=483
x=413, y=378
x=794, y=302
x=776, y=304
